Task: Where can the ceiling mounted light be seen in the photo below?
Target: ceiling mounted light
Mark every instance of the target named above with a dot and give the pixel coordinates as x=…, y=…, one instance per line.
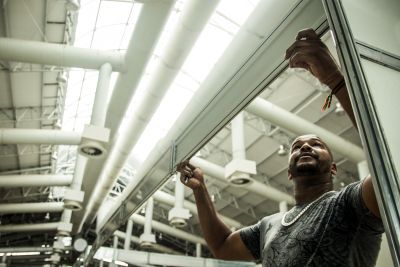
x=339, y=109
x=62, y=77
x=282, y=151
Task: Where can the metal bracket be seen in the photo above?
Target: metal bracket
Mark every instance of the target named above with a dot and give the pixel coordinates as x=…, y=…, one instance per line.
x=173, y=157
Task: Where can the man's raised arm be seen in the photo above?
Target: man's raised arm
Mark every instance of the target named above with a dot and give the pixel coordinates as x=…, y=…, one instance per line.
x=310, y=53
x=223, y=243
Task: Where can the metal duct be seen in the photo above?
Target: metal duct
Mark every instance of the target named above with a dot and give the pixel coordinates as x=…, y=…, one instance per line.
x=149, y=25
x=38, y=227
x=39, y=136
x=136, y=240
x=34, y=180
x=259, y=188
x=170, y=200
x=43, y=207
x=58, y=55
x=136, y=218
x=25, y=249
x=287, y=120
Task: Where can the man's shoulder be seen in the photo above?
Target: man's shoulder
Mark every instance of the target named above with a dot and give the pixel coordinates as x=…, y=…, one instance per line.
x=272, y=219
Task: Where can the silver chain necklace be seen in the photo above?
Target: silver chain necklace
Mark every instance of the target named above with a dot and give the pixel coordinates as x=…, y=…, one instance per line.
x=284, y=223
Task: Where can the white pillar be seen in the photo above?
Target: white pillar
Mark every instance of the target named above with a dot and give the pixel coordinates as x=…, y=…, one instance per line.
x=147, y=238
x=100, y=101
x=178, y=215
x=149, y=215
x=283, y=207
x=128, y=235
x=198, y=250
x=238, y=145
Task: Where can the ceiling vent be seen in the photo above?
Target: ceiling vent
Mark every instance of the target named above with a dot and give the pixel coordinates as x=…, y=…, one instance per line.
x=73, y=199
x=282, y=151
x=238, y=172
x=93, y=141
x=177, y=217
x=147, y=241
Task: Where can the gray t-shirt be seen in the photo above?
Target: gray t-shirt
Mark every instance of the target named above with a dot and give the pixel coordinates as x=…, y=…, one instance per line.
x=338, y=230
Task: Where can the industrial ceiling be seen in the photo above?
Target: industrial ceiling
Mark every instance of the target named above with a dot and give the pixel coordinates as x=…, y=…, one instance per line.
x=151, y=69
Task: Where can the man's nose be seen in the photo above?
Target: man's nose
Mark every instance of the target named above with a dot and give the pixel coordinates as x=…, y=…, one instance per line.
x=305, y=147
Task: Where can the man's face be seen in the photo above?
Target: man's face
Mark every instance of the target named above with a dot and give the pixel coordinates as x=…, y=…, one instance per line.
x=309, y=156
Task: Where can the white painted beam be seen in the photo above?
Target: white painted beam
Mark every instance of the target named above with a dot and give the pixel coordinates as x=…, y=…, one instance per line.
x=34, y=180
x=58, y=55
x=13, y=208
x=39, y=136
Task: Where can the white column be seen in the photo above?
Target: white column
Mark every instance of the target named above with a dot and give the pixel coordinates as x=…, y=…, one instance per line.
x=100, y=101
x=198, y=250
x=283, y=207
x=128, y=235
x=238, y=145
x=148, y=216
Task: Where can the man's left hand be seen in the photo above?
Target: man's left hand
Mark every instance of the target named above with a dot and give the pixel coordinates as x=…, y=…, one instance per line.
x=310, y=53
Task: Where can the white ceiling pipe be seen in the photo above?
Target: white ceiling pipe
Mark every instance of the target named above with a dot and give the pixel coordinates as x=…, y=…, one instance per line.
x=58, y=55
x=195, y=15
x=148, y=216
x=287, y=120
x=35, y=180
x=39, y=136
x=31, y=207
x=99, y=111
x=257, y=187
x=238, y=145
x=179, y=193
x=97, y=119
x=25, y=249
x=152, y=19
x=198, y=250
x=170, y=200
x=136, y=218
x=156, y=247
x=37, y=227
x=128, y=235
x=193, y=18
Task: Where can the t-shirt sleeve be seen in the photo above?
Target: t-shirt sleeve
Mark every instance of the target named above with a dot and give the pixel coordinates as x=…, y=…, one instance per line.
x=355, y=206
x=251, y=238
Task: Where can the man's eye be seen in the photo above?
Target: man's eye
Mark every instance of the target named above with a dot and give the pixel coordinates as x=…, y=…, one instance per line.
x=317, y=144
x=295, y=148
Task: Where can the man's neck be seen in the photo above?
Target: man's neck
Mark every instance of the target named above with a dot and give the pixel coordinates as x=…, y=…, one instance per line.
x=307, y=189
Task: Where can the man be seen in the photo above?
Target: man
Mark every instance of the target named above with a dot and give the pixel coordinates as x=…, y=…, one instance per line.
x=324, y=228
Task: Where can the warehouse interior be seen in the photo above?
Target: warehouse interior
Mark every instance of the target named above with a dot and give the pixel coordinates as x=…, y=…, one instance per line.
x=100, y=99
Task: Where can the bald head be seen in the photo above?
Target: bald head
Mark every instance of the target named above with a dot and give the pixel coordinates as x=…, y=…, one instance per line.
x=311, y=137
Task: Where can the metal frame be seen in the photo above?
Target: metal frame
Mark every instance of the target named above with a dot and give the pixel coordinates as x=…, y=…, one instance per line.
x=227, y=101
x=378, y=55
x=386, y=182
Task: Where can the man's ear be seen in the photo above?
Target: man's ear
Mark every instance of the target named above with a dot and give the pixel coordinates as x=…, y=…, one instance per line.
x=333, y=169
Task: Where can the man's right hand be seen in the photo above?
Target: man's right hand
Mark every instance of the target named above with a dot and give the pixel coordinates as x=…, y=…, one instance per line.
x=190, y=175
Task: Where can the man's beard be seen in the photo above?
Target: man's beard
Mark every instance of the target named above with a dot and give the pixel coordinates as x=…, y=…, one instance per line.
x=304, y=168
